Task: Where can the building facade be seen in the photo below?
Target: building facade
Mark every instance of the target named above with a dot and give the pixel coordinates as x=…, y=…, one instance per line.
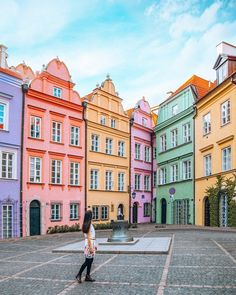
x=108, y=142
x=215, y=137
x=141, y=162
x=10, y=148
x=54, y=140
x=175, y=153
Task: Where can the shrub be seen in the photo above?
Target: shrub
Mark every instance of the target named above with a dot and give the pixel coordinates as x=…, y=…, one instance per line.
x=63, y=228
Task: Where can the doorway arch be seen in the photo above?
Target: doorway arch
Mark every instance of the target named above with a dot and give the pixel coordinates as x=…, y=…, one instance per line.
x=206, y=212
x=135, y=212
x=163, y=211
x=34, y=218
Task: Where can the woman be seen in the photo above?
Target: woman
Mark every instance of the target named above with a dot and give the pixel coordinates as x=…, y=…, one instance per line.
x=90, y=247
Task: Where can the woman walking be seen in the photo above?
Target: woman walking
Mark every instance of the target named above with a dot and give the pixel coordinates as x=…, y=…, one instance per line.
x=90, y=247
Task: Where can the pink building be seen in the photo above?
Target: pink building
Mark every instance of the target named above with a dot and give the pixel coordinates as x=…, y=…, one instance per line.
x=54, y=141
x=141, y=182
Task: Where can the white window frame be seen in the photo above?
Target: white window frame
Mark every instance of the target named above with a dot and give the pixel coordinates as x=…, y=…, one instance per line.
x=121, y=181
x=103, y=120
x=222, y=72
x=74, y=211
x=57, y=92
x=113, y=123
x=74, y=135
x=55, y=179
x=14, y=163
x=144, y=121
x=56, y=211
x=226, y=158
x=187, y=132
x=35, y=132
x=121, y=148
x=154, y=178
x=137, y=151
x=95, y=212
x=174, y=137
x=55, y=136
x=147, y=154
x=104, y=212
x=163, y=143
x=75, y=173
x=108, y=180
x=175, y=109
x=94, y=142
x=35, y=175
x=147, y=183
x=207, y=165
x=9, y=221
x=162, y=175
x=206, y=123
x=187, y=169
x=225, y=112
x=174, y=172
x=137, y=178
x=109, y=145
x=94, y=179
x=146, y=209
x=5, y=122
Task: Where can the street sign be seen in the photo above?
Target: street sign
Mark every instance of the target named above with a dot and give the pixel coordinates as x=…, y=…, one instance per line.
x=172, y=191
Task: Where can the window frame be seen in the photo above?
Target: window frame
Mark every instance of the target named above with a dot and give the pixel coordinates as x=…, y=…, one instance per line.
x=74, y=181
x=55, y=136
x=54, y=211
x=5, y=123
x=74, y=136
x=34, y=129
x=35, y=170
x=56, y=167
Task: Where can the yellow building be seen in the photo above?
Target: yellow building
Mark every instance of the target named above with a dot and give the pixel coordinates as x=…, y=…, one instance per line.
x=108, y=144
x=215, y=136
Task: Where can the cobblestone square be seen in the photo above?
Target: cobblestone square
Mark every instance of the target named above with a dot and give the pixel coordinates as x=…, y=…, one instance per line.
x=200, y=261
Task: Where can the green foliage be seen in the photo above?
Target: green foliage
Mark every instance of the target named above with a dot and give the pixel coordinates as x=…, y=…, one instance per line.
x=222, y=186
x=63, y=228
x=102, y=225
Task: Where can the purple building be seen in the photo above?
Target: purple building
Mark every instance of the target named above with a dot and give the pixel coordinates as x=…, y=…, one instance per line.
x=141, y=162
x=10, y=148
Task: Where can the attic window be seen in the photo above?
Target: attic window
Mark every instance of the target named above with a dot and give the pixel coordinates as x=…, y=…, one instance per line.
x=175, y=110
x=144, y=122
x=222, y=73
x=57, y=92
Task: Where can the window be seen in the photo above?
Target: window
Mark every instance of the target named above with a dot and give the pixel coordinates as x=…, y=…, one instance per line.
x=104, y=212
x=121, y=148
x=56, y=131
x=108, y=180
x=226, y=159
x=93, y=179
x=187, y=132
x=35, y=169
x=57, y=92
x=137, y=182
x=144, y=122
x=146, y=182
x=154, y=152
x=56, y=212
x=207, y=165
x=74, y=173
x=74, y=211
x=222, y=73
x=7, y=216
x=3, y=115
x=154, y=179
x=163, y=142
x=225, y=112
x=187, y=169
x=175, y=110
x=56, y=172
x=174, y=173
x=95, y=143
x=146, y=209
x=103, y=120
x=137, y=151
x=147, y=154
x=162, y=175
x=95, y=211
x=35, y=127
x=207, y=123
x=74, y=135
x=113, y=123
x=121, y=181
x=108, y=146
x=8, y=165
x=174, y=138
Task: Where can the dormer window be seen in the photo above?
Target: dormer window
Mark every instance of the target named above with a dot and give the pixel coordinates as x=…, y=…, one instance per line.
x=144, y=122
x=175, y=110
x=222, y=73
x=57, y=92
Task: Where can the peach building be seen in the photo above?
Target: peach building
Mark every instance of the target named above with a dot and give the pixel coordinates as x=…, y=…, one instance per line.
x=215, y=131
x=108, y=145
x=53, y=172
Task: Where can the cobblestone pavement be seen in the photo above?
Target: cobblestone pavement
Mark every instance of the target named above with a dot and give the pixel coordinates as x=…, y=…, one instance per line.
x=199, y=262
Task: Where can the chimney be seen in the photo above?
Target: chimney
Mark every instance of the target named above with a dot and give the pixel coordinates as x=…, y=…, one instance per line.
x=226, y=49
x=3, y=56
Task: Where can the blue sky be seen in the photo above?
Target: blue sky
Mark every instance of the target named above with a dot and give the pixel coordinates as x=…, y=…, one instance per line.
x=148, y=47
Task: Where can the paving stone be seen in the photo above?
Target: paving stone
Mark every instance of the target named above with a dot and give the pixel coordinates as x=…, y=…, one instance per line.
x=139, y=260
x=36, y=257
x=11, y=268
x=198, y=291
x=203, y=261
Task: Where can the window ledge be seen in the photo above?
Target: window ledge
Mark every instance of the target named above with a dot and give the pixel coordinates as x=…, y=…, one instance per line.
x=9, y=179
x=74, y=185
x=72, y=219
x=4, y=130
x=34, y=138
x=39, y=183
x=55, y=220
x=55, y=142
x=75, y=146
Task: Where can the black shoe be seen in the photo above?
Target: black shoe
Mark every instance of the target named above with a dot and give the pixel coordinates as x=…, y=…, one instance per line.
x=78, y=278
x=89, y=279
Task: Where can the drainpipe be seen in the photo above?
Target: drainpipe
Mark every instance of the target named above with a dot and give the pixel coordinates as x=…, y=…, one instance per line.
x=131, y=122
x=151, y=177
x=85, y=104
x=194, y=161
x=24, y=87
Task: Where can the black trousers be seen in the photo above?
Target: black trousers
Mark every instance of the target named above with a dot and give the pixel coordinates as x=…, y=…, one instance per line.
x=88, y=263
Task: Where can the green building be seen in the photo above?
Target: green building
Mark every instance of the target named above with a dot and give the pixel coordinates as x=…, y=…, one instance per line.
x=175, y=153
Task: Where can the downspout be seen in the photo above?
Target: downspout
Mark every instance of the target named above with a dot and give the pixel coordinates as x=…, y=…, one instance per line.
x=151, y=177
x=131, y=122
x=194, y=162
x=85, y=104
x=24, y=88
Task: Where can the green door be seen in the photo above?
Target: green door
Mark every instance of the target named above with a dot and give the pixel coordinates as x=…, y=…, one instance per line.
x=34, y=218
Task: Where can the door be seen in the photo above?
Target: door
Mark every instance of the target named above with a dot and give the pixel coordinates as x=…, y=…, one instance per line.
x=163, y=211
x=135, y=212
x=34, y=218
x=207, y=212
